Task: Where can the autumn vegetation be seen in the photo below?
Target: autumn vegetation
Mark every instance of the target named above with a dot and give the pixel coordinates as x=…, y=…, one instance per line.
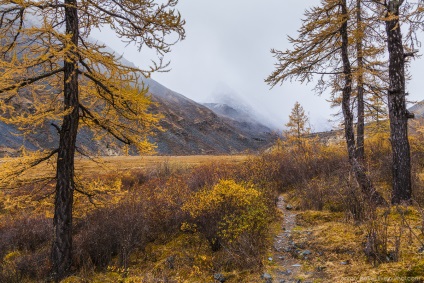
x=357, y=192
x=174, y=222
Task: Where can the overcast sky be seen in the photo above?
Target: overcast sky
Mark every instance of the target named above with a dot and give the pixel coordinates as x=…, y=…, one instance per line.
x=227, y=50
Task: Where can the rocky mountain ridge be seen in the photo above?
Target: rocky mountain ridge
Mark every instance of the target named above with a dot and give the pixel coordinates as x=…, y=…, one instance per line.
x=189, y=128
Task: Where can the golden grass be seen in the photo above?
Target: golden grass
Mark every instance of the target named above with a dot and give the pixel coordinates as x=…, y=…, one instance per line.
x=337, y=248
x=87, y=166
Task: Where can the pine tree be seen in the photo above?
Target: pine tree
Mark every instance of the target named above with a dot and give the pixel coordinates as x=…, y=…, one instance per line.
x=53, y=74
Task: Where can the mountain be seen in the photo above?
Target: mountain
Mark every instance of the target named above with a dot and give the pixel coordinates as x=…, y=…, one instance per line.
x=240, y=118
x=189, y=128
x=418, y=109
x=192, y=128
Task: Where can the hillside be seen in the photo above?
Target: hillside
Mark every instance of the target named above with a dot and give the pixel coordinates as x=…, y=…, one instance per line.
x=192, y=128
x=418, y=109
x=189, y=128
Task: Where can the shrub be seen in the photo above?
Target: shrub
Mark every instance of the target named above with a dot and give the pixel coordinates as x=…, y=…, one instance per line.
x=24, y=245
x=231, y=215
x=26, y=233
x=150, y=212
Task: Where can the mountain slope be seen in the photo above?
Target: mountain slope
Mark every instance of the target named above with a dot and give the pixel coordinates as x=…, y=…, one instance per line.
x=192, y=128
x=418, y=109
x=189, y=128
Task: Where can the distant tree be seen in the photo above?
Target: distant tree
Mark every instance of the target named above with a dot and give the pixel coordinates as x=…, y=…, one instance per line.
x=376, y=114
x=53, y=74
x=297, y=126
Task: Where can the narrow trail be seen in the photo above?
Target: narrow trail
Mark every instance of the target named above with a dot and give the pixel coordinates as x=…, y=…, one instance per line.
x=287, y=266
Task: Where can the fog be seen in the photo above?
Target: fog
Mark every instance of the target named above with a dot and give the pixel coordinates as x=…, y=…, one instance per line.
x=227, y=52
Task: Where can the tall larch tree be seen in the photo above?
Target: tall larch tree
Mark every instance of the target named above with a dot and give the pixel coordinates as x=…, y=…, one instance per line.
x=323, y=48
x=53, y=74
x=398, y=113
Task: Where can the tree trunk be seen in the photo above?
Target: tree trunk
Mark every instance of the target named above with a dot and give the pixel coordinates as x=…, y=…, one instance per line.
x=360, y=127
x=361, y=177
x=398, y=114
x=62, y=244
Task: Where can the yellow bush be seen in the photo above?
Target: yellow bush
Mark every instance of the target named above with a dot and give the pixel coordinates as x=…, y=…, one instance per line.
x=227, y=211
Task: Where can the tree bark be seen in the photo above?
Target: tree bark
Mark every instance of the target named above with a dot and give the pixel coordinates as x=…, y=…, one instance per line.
x=360, y=127
x=398, y=114
x=360, y=174
x=62, y=244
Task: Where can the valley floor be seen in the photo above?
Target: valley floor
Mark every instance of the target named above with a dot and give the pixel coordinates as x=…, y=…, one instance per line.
x=322, y=246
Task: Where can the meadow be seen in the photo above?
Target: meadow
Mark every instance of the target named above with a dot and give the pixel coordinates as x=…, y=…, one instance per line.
x=215, y=219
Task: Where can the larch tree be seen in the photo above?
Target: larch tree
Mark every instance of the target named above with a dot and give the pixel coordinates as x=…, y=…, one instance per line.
x=324, y=48
x=53, y=74
x=297, y=126
x=354, y=160
x=412, y=13
x=369, y=67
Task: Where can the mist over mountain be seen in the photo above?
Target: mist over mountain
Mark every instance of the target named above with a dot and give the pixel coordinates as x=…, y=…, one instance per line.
x=223, y=95
x=192, y=128
x=418, y=109
x=188, y=128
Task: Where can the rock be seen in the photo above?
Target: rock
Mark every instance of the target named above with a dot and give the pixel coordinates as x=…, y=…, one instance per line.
x=345, y=262
x=267, y=277
x=289, y=207
x=321, y=268
x=270, y=259
x=219, y=277
x=170, y=262
x=287, y=272
x=296, y=265
x=306, y=252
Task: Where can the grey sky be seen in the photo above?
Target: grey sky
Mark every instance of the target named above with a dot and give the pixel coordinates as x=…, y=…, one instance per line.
x=228, y=49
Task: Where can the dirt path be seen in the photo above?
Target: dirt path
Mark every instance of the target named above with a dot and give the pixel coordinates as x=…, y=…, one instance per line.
x=285, y=262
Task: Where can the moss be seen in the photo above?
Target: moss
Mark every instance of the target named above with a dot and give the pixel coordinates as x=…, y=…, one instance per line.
x=312, y=217
x=416, y=270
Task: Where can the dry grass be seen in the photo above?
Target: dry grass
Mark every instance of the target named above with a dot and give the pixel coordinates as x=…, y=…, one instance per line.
x=337, y=248
x=86, y=167
x=125, y=163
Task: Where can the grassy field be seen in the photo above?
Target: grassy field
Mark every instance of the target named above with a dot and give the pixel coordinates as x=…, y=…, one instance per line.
x=87, y=167
x=336, y=236
x=125, y=163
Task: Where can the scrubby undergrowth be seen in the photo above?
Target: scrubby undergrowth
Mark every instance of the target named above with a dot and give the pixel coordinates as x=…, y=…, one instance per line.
x=172, y=223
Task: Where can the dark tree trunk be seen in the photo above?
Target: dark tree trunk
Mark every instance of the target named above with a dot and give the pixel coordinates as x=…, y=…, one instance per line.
x=361, y=177
x=398, y=113
x=360, y=127
x=62, y=244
